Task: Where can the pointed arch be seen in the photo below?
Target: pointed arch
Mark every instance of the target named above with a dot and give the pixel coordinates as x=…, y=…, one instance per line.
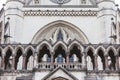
x=7, y=48
x=44, y=54
x=60, y=43
x=19, y=47
x=8, y=58
x=90, y=58
x=77, y=44
x=100, y=48
x=76, y=54
x=59, y=54
x=29, y=58
x=73, y=29
x=18, y=58
x=29, y=48
x=111, y=59
x=90, y=48
x=101, y=58
x=43, y=43
x=113, y=49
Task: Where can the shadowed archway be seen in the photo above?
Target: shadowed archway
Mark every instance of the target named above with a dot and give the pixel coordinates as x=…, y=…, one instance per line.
x=44, y=55
x=59, y=56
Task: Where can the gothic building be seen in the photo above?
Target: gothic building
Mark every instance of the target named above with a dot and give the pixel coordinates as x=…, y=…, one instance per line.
x=60, y=40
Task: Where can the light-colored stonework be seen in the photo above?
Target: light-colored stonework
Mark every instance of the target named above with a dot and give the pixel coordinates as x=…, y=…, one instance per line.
x=60, y=40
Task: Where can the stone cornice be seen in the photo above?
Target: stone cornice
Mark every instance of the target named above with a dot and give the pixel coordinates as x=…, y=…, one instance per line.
x=60, y=13
x=60, y=6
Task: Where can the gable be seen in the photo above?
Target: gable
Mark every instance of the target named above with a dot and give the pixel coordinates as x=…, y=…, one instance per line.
x=59, y=78
x=59, y=74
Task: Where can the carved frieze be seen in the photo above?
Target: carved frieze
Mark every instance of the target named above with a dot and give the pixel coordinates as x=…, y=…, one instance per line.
x=60, y=13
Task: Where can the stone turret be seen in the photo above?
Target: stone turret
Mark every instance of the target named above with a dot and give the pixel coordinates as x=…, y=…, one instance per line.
x=107, y=15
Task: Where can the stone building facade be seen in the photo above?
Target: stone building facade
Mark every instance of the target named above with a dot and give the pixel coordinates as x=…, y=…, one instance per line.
x=60, y=40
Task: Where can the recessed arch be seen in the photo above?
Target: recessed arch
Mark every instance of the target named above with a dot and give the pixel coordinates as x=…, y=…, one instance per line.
x=60, y=43
x=113, y=49
x=29, y=48
x=90, y=48
x=49, y=27
x=76, y=54
x=19, y=47
x=59, y=55
x=111, y=59
x=44, y=43
x=18, y=59
x=7, y=48
x=44, y=54
x=90, y=59
x=101, y=59
x=77, y=44
x=8, y=59
x=100, y=48
x=29, y=59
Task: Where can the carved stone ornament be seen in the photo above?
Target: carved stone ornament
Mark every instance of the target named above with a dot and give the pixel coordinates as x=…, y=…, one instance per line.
x=60, y=1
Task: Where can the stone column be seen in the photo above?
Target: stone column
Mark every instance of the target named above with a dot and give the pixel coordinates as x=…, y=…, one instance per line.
x=67, y=59
x=95, y=61
x=13, y=62
x=24, y=61
x=2, y=62
x=84, y=62
x=52, y=57
x=35, y=62
x=117, y=62
x=106, y=62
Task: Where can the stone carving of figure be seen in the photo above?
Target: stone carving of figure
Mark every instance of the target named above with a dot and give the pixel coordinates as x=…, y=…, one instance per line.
x=44, y=59
x=19, y=64
x=110, y=65
x=89, y=63
x=100, y=65
x=75, y=58
x=9, y=65
x=30, y=63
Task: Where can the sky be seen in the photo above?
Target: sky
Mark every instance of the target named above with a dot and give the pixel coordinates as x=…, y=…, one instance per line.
x=3, y=1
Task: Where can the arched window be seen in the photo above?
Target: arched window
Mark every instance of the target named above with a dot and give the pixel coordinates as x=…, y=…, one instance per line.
x=8, y=59
x=75, y=54
x=90, y=60
x=111, y=60
x=18, y=60
x=48, y=59
x=60, y=36
x=29, y=60
x=59, y=55
x=44, y=55
x=59, y=59
x=101, y=60
x=71, y=59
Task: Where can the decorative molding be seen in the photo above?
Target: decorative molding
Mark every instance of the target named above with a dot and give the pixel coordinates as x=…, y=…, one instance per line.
x=60, y=13
x=61, y=6
x=60, y=1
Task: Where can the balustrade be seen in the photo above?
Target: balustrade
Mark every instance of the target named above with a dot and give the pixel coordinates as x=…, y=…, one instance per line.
x=70, y=66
